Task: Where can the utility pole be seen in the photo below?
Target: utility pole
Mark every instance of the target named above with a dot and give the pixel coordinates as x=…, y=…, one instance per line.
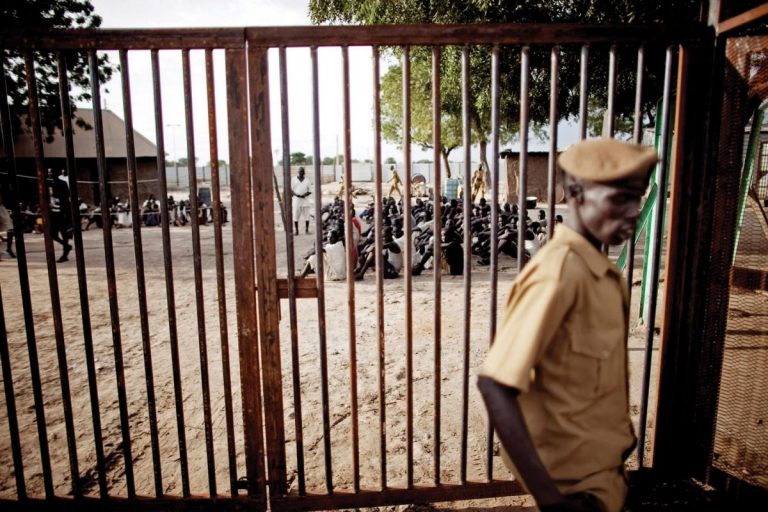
x=175, y=156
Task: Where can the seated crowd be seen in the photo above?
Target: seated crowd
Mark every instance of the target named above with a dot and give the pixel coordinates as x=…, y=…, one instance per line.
x=450, y=231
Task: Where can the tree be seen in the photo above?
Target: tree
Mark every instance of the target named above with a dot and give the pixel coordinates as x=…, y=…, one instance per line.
x=421, y=111
x=369, y=12
x=390, y=160
x=184, y=162
x=40, y=15
x=299, y=158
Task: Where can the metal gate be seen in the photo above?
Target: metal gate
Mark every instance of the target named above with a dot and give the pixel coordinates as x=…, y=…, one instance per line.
x=266, y=456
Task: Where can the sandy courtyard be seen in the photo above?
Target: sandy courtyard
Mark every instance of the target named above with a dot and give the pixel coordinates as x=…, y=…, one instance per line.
x=453, y=315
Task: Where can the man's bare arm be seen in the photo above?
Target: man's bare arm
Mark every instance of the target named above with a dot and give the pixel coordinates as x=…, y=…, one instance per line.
x=507, y=419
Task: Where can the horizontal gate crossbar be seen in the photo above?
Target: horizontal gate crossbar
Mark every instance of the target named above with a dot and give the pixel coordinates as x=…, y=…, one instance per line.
x=395, y=496
x=83, y=504
x=123, y=39
x=428, y=35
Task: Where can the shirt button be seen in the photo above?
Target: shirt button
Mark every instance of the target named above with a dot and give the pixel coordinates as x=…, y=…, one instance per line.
x=605, y=354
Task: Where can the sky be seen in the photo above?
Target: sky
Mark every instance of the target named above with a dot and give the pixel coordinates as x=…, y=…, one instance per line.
x=224, y=13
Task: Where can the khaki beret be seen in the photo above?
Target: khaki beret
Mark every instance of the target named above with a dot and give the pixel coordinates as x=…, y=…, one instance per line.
x=605, y=160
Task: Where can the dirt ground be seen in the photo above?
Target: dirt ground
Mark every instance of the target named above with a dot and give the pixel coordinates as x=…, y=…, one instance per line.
x=453, y=318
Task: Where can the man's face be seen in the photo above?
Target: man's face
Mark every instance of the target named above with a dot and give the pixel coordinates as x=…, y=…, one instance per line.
x=609, y=211
x=301, y=174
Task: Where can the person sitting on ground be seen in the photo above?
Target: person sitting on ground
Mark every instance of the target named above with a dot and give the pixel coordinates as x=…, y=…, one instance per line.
x=391, y=253
x=334, y=259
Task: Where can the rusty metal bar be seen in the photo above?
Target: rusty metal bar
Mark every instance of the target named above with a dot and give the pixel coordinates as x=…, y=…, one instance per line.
x=10, y=406
x=378, y=214
x=437, y=252
x=350, y=274
x=123, y=39
x=138, y=254
x=408, y=266
x=168, y=267
x=742, y=20
x=467, y=192
x=389, y=35
x=287, y=200
x=268, y=305
x=320, y=275
x=461, y=34
x=220, y=286
x=637, y=136
x=656, y=253
x=612, y=57
x=58, y=327
x=554, y=87
x=66, y=119
x=109, y=260
x=494, y=278
x=245, y=278
x=584, y=91
x=21, y=260
x=522, y=224
x=197, y=264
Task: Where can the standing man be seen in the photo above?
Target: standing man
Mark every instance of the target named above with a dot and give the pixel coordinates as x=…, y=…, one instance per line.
x=555, y=380
x=394, y=182
x=478, y=183
x=300, y=190
x=61, y=219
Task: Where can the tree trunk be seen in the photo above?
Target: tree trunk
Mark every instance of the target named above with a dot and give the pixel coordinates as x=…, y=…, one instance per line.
x=513, y=176
x=446, y=166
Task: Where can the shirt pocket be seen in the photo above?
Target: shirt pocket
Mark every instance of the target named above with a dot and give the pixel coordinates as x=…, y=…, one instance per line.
x=593, y=361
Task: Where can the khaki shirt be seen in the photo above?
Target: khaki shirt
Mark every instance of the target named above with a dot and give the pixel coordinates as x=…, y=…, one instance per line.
x=562, y=345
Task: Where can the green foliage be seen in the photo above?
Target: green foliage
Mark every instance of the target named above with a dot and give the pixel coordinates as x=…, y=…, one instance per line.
x=390, y=160
x=368, y=12
x=184, y=162
x=299, y=158
x=42, y=15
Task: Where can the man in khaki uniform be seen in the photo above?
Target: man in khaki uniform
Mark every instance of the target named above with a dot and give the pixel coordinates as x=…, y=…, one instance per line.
x=555, y=380
x=394, y=183
x=478, y=183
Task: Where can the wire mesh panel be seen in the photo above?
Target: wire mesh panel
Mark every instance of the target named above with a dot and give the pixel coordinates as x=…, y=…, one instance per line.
x=741, y=443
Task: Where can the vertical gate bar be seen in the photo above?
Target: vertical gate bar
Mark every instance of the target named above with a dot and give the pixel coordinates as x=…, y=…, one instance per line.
x=350, y=274
x=109, y=260
x=584, y=91
x=58, y=328
x=287, y=200
x=437, y=250
x=495, y=53
x=467, y=192
x=320, y=276
x=138, y=254
x=268, y=305
x=221, y=288
x=168, y=268
x=377, y=194
x=522, y=225
x=675, y=244
x=21, y=261
x=10, y=405
x=554, y=87
x=197, y=264
x=656, y=254
x=408, y=260
x=637, y=139
x=611, y=90
x=66, y=119
x=245, y=278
